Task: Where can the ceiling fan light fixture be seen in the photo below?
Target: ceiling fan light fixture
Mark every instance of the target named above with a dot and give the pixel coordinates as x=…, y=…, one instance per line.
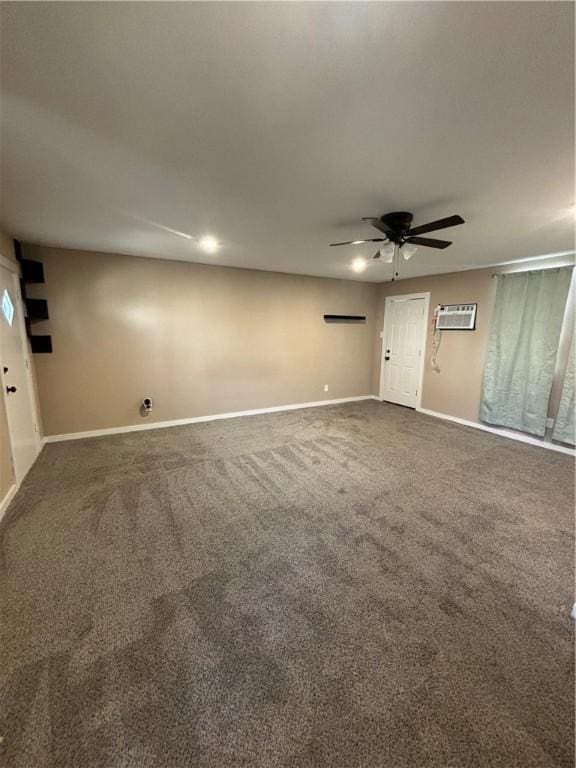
x=387, y=253
x=408, y=251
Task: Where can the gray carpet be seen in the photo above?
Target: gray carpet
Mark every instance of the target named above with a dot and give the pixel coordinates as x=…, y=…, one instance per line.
x=354, y=586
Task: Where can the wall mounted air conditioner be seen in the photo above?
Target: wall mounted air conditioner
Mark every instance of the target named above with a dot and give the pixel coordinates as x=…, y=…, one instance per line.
x=456, y=317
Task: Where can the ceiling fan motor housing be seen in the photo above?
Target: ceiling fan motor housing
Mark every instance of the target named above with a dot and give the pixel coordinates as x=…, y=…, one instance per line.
x=398, y=224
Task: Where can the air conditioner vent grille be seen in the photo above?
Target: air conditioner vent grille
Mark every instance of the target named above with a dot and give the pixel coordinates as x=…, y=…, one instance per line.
x=456, y=317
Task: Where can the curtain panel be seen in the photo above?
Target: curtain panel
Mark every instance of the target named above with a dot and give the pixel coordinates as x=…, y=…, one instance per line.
x=522, y=348
x=564, y=428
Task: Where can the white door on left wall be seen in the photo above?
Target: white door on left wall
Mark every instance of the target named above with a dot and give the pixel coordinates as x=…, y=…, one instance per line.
x=16, y=377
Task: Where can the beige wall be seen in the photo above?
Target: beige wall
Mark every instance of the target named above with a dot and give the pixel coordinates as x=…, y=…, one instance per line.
x=456, y=389
x=203, y=340
x=6, y=471
x=198, y=339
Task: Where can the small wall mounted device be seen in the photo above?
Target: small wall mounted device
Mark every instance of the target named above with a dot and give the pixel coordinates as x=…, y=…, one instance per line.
x=146, y=406
x=455, y=317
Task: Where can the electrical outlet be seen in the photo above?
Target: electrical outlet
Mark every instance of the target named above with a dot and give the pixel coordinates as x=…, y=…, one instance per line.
x=325, y=387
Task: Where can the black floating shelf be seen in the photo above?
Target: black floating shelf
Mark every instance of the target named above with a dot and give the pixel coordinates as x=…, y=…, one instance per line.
x=345, y=318
x=41, y=344
x=32, y=271
x=37, y=310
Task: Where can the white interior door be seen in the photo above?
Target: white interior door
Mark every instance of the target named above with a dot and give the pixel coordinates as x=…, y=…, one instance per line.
x=16, y=377
x=403, y=343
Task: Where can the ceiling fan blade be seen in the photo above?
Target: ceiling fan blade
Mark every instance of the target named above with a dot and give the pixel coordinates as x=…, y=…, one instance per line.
x=359, y=242
x=378, y=224
x=449, y=221
x=428, y=242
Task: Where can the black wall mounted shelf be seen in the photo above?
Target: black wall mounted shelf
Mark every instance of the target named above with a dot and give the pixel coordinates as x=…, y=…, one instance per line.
x=36, y=309
x=345, y=318
x=32, y=271
x=41, y=344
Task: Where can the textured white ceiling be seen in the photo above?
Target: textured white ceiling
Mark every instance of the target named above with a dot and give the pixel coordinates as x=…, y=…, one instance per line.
x=276, y=127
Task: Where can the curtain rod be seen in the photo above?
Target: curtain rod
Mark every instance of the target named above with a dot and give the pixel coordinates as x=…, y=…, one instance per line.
x=541, y=269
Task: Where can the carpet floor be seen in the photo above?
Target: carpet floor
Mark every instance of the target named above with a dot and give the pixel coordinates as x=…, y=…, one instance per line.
x=354, y=586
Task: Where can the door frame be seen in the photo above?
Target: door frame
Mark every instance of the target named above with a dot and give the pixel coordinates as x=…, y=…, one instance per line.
x=423, y=338
x=14, y=269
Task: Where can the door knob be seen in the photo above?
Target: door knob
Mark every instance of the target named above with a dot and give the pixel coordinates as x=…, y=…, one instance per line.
x=11, y=389
x=386, y=358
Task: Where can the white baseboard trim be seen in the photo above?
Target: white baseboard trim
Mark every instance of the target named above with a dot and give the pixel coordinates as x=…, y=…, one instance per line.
x=501, y=432
x=5, y=502
x=7, y=499
x=199, y=419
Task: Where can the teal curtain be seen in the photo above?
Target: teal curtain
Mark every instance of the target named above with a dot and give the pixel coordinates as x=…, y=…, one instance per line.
x=564, y=429
x=522, y=348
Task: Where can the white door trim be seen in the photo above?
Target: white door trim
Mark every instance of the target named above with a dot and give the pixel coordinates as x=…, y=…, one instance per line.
x=15, y=271
x=11, y=266
x=407, y=297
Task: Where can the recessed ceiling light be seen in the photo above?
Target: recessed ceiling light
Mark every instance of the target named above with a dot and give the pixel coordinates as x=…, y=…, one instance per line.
x=209, y=244
x=359, y=264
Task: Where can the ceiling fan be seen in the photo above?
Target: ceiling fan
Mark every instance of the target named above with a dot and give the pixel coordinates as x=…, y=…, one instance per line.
x=401, y=236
